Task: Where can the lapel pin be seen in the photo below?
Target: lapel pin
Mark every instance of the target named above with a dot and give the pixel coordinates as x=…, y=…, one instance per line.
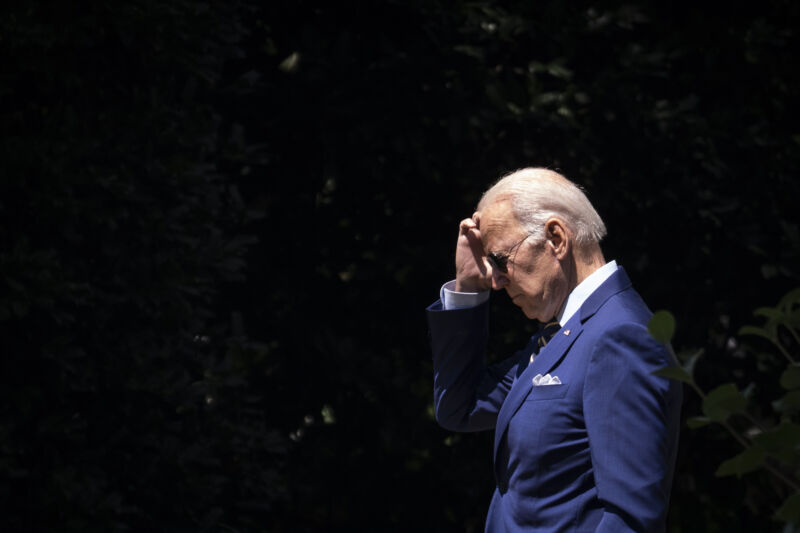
x=566, y=332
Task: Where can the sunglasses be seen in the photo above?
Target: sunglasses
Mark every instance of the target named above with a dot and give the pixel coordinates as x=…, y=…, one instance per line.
x=500, y=260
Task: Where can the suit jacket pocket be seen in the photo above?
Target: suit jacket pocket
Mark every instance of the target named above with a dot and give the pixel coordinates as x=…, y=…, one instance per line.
x=547, y=392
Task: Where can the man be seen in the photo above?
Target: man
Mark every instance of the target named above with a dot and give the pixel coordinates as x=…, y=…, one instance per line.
x=585, y=435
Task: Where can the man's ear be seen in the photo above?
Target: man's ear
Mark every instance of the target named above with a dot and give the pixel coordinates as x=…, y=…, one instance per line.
x=557, y=237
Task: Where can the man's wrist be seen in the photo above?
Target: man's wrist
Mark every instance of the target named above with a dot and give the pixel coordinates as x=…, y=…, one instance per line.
x=461, y=287
x=455, y=299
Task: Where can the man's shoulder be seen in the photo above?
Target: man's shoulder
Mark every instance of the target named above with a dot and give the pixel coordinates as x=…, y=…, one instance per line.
x=625, y=306
x=615, y=300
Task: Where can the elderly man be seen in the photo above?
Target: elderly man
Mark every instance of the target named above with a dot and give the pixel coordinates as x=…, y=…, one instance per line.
x=585, y=435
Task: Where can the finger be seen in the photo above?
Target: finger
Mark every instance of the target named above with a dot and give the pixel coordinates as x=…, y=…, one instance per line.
x=466, y=225
x=476, y=247
x=474, y=237
x=480, y=261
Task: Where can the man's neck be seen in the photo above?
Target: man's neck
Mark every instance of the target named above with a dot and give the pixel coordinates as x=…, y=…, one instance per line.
x=582, y=291
x=584, y=270
x=586, y=262
x=582, y=264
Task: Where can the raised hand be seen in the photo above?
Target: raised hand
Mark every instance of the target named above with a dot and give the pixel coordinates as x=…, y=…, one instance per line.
x=473, y=270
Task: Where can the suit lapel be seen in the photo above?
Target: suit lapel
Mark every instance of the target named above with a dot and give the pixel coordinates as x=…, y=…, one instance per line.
x=548, y=358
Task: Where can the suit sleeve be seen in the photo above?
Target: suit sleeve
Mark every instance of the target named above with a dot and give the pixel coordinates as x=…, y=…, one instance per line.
x=632, y=421
x=467, y=394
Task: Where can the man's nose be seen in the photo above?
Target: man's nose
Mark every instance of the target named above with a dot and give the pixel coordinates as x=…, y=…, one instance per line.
x=499, y=280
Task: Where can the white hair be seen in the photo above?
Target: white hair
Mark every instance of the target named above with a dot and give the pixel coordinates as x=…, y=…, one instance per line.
x=537, y=194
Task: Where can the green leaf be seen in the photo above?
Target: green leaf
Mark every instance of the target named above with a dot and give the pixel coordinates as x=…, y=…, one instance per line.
x=328, y=415
x=790, y=403
x=753, y=330
x=662, y=326
x=674, y=372
x=697, y=422
x=790, y=299
x=769, y=312
x=793, y=319
x=692, y=361
x=785, y=436
x=747, y=461
x=291, y=63
x=790, y=379
x=790, y=510
x=723, y=401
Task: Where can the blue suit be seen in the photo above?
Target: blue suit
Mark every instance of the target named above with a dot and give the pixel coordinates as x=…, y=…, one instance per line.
x=595, y=453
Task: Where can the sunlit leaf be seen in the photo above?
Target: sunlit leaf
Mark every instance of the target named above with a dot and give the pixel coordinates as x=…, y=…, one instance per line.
x=328, y=415
x=291, y=63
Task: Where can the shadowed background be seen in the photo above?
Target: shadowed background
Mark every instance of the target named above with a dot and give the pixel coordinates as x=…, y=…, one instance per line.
x=220, y=225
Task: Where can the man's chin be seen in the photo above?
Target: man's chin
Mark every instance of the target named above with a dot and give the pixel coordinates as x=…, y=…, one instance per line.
x=528, y=312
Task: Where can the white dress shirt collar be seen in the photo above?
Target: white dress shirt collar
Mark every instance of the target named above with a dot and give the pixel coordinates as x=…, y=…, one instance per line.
x=585, y=289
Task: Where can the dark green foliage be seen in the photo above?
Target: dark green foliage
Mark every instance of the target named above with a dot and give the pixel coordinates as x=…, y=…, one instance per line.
x=662, y=326
x=221, y=222
x=127, y=403
x=770, y=437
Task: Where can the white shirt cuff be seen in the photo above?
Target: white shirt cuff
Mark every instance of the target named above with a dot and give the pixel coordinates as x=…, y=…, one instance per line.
x=460, y=300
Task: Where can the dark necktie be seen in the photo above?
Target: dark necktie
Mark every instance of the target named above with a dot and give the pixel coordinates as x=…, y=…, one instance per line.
x=548, y=330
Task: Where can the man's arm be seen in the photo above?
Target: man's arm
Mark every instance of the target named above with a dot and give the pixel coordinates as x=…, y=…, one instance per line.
x=632, y=419
x=467, y=394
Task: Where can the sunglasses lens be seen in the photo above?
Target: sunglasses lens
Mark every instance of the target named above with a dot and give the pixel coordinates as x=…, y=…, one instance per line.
x=500, y=262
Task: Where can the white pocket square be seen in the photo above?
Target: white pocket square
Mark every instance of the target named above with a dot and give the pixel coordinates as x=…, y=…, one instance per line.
x=547, y=379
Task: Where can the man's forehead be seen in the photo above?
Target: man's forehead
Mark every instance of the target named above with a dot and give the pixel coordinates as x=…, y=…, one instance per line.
x=496, y=221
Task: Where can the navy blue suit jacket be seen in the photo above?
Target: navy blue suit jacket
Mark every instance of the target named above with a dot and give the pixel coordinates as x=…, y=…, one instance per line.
x=595, y=453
